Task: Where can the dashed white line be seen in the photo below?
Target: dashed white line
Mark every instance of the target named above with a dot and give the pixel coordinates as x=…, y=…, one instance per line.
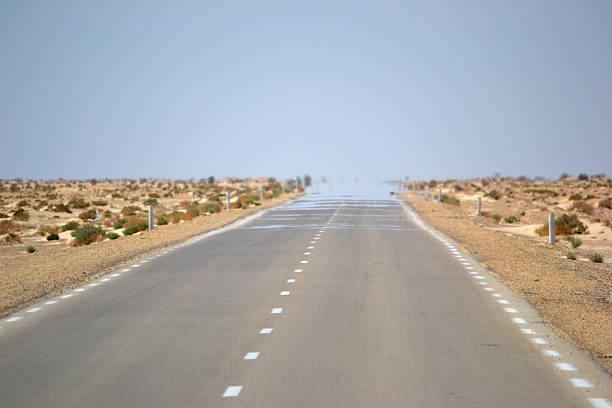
x=115, y=275
x=482, y=283
x=310, y=247
x=510, y=310
x=65, y=296
x=551, y=353
x=13, y=319
x=580, y=383
x=539, y=340
x=496, y=294
x=93, y=284
x=266, y=330
x=298, y=270
x=290, y=280
x=104, y=280
x=566, y=367
x=478, y=277
x=489, y=289
x=285, y=293
x=503, y=302
x=304, y=262
x=600, y=403
x=232, y=391
x=277, y=310
x=251, y=355
x=34, y=310
x=126, y=270
x=51, y=302
x=518, y=320
x=80, y=290
x=307, y=253
x=528, y=331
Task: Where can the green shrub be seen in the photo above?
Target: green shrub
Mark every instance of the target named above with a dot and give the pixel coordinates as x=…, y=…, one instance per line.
x=597, y=258
x=493, y=194
x=31, y=249
x=210, y=208
x=497, y=217
x=119, y=223
x=3, y=215
x=511, y=219
x=576, y=242
x=450, y=200
x=571, y=256
x=70, y=226
x=141, y=226
x=61, y=208
x=522, y=214
x=116, y=195
x=130, y=210
x=52, y=237
x=46, y=230
x=162, y=220
x=566, y=224
x=21, y=215
x=151, y=201
x=112, y=235
x=78, y=202
x=88, y=234
x=193, y=211
x=575, y=197
x=99, y=203
x=12, y=238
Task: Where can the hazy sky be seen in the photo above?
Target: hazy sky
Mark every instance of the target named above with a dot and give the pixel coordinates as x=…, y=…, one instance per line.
x=190, y=89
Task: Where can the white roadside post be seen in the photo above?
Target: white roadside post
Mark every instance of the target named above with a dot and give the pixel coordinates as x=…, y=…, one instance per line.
x=260, y=193
x=414, y=186
x=228, y=200
x=150, y=217
x=551, y=229
x=440, y=195
x=478, y=206
x=427, y=192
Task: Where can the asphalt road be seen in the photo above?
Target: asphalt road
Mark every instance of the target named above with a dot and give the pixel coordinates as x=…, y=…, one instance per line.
x=383, y=314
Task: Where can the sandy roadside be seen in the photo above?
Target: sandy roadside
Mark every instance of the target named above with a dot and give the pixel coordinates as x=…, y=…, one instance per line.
x=574, y=297
x=30, y=278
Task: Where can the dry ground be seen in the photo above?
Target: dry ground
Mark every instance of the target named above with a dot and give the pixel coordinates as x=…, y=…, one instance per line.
x=575, y=297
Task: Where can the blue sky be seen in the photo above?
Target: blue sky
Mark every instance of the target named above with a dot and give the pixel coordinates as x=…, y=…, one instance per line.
x=190, y=89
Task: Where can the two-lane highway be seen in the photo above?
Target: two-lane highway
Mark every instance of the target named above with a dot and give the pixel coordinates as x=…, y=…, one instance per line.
x=329, y=301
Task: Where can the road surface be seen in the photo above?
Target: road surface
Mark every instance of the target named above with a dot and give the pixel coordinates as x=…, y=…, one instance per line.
x=330, y=301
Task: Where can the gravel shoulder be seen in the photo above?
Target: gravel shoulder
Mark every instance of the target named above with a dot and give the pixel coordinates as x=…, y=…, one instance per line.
x=29, y=278
x=573, y=297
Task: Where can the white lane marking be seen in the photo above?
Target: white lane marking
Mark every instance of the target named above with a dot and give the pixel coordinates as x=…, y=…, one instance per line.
x=93, y=284
x=469, y=267
x=277, y=310
x=313, y=242
x=497, y=294
x=285, y=293
x=51, y=302
x=65, y=296
x=510, y=310
x=267, y=330
x=310, y=247
x=144, y=261
x=303, y=262
x=115, y=275
x=482, y=283
x=307, y=253
x=321, y=231
x=105, y=280
x=539, y=340
x=489, y=289
x=251, y=355
x=316, y=238
x=551, y=353
x=528, y=331
x=518, y=320
x=80, y=290
x=290, y=280
x=13, y=319
x=34, y=310
x=580, y=383
x=232, y=391
x=478, y=277
x=473, y=273
x=566, y=367
x=126, y=270
x=465, y=263
x=135, y=266
x=503, y=302
x=298, y=270
x=600, y=403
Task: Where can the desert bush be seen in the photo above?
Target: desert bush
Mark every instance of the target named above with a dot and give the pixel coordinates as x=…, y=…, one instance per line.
x=450, y=200
x=193, y=210
x=116, y=195
x=112, y=235
x=571, y=256
x=575, y=242
x=70, y=226
x=522, y=213
x=185, y=216
x=130, y=210
x=119, y=223
x=606, y=203
x=31, y=249
x=78, y=202
x=153, y=195
x=132, y=229
x=88, y=215
x=52, y=237
x=151, y=201
x=185, y=203
x=88, y=234
x=61, y=208
x=21, y=215
x=584, y=207
x=575, y=197
x=12, y=238
x=3, y=215
x=99, y=203
x=511, y=219
x=107, y=214
x=47, y=229
x=22, y=203
x=162, y=220
x=494, y=194
x=8, y=226
x=595, y=257
x=497, y=217
x=566, y=224
x=133, y=220
x=210, y=208
x=543, y=208
x=583, y=177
